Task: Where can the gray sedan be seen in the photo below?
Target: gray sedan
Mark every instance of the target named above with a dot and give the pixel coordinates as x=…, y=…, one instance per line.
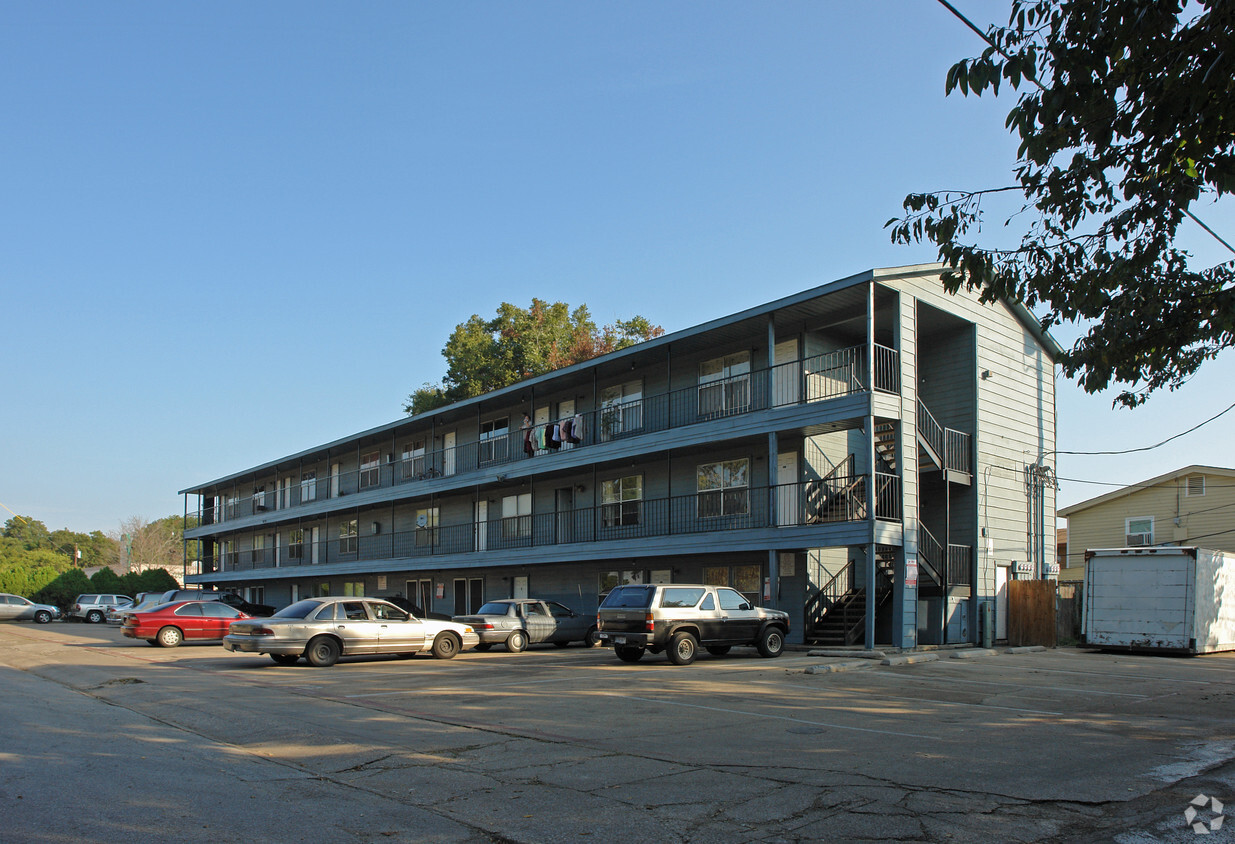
x=17, y=608
x=519, y=622
x=323, y=629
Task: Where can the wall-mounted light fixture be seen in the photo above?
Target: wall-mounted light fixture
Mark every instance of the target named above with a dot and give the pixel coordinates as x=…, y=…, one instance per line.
x=986, y=374
x=377, y=527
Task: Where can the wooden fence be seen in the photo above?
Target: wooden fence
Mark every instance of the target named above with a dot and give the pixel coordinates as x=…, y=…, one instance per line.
x=1031, y=613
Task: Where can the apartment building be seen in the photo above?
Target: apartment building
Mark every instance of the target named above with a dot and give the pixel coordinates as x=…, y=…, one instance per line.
x=858, y=454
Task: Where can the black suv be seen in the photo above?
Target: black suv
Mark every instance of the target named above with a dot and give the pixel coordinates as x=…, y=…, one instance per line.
x=678, y=618
x=258, y=610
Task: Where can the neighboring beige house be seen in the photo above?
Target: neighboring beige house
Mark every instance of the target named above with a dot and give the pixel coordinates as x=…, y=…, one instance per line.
x=1191, y=506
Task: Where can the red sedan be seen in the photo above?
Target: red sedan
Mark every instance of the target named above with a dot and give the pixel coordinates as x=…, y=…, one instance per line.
x=170, y=624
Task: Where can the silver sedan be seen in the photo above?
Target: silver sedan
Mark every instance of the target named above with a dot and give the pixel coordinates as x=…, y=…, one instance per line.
x=17, y=608
x=323, y=629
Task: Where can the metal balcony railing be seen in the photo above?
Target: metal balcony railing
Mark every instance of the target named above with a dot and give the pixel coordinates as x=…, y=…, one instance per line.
x=817, y=378
x=736, y=509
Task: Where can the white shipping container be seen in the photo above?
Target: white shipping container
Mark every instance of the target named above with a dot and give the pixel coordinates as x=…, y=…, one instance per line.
x=1175, y=599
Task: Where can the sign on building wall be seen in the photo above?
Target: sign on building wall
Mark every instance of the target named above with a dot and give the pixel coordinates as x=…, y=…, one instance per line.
x=911, y=572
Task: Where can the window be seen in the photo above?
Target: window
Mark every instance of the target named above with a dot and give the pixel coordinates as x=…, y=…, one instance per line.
x=1139, y=531
x=257, y=594
x=716, y=575
x=353, y=589
x=517, y=516
x=426, y=527
x=722, y=488
x=469, y=595
x=308, y=487
x=257, y=555
x=724, y=385
x=748, y=580
x=349, y=537
x=414, y=459
x=370, y=471
x=295, y=545
x=259, y=499
x=493, y=440
x=1195, y=486
x=621, y=501
x=621, y=409
x=679, y=597
x=610, y=580
x=730, y=600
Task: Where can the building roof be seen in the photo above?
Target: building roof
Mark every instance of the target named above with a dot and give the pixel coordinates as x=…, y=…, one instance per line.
x=1152, y=482
x=795, y=301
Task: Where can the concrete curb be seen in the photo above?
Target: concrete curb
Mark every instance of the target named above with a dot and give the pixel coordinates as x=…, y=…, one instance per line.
x=1027, y=649
x=836, y=667
x=910, y=659
x=974, y=653
x=847, y=654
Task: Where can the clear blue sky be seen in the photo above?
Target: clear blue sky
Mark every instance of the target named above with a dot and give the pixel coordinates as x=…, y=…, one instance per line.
x=230, y=231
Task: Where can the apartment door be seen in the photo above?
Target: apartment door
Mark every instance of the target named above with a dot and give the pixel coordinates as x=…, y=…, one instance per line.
x=334, y=480
x=448, y=453
x=313, y=545
x=519, y=587
x=786, y=378
x=788, y=489
x=469, y=595
x=420, y=593
x=482, y=525
x=564, y=506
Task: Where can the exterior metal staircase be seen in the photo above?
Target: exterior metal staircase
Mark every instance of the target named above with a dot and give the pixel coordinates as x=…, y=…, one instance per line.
x=836, y=615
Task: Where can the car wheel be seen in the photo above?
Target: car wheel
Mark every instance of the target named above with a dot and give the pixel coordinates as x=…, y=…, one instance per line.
x=42, y=617
x=683, y=648
x=516, y=642
x=629, y=653
x=592, y=639
x=771, y=642
x=94, y=616
x=285, y=659
x=445, y=646
x=169, y=637
x=483, y=646
x=322, y=652
x=718, y=650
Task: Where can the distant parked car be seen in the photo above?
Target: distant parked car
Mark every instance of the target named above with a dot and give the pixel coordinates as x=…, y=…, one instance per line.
x=145, y=601
x=93, y=607
x=324, y=629
x=519, y=622
x=228, y=598
x=17, y=608
x=167, y=625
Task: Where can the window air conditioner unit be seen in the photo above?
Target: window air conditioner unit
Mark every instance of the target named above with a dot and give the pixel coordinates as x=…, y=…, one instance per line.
x=1139, y=539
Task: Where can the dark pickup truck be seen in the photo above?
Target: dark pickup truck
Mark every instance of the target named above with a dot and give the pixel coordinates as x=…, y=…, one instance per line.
x=679, y=618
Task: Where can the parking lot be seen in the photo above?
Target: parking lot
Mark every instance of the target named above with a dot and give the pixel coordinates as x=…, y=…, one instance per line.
x=568, y=744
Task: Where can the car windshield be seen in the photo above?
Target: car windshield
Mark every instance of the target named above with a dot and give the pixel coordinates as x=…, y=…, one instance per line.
x=300, y=609
x=629, y=597
x=493, y=609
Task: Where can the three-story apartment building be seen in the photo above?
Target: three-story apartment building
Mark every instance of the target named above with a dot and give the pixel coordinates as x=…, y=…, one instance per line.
x=856, y=454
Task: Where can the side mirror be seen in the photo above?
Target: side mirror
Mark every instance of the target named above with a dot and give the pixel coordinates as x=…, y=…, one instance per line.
x=745, y=606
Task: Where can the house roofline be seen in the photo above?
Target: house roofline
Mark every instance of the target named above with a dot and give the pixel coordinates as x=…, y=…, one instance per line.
x=1194, y=469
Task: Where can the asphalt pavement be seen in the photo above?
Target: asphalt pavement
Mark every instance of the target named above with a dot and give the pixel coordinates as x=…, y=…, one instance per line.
x=106, y=739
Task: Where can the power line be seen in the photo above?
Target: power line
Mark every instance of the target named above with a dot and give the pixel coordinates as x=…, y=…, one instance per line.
x=1147, y=447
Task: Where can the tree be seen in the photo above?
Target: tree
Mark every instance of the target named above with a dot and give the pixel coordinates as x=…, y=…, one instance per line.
x=486, y=355
x=157, y=544
x=1125, y=123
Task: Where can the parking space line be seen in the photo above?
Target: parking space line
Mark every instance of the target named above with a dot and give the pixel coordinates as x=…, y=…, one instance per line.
x=457, y=688
x=747, y=714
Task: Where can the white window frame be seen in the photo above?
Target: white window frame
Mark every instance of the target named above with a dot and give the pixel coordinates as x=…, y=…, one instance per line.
x=414, y=459
x=371, y=470
x=724, y=384
x=308, y=486
x=494, y=439
x=1129, y=534
x=517, y=516
x=621, y=409
x=729, y=495
x=349, y=536
x=621, y=501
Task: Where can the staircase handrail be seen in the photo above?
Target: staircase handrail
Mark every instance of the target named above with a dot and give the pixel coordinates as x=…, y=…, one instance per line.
x=831, y=592
x=930, y=553
x=930, y=430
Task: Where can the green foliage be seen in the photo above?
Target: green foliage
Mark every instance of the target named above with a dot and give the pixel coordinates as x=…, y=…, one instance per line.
x=106, y=580
x=486, y=355
x=1130, y=126
x=64, y=589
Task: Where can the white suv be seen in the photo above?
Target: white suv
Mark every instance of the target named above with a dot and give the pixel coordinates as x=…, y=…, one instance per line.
x=93, y=608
